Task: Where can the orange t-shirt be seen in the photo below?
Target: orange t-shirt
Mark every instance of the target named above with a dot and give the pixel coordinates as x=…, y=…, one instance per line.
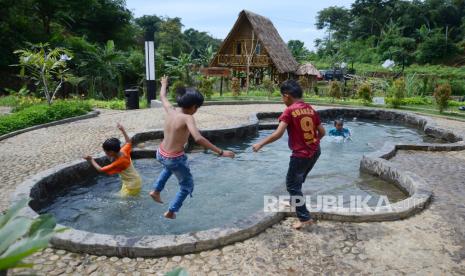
x=121, y=163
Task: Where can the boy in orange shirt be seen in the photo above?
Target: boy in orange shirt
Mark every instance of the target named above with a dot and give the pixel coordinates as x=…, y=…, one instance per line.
x=121, y=164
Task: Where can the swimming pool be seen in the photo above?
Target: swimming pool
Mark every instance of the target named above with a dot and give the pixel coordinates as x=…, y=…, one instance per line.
x=227, y=190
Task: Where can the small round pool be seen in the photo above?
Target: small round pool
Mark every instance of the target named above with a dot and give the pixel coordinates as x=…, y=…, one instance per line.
x=227, y=190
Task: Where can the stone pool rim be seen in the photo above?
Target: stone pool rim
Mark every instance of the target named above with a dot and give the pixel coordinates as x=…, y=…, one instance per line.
x=376, y=163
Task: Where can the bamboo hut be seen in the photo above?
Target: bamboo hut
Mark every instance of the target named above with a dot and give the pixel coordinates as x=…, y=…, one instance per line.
x=308, y=76
x=254, y=48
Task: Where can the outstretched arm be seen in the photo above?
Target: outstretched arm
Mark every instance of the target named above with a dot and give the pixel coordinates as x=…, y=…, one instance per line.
x=278, y=133
x=123, y=131
x=321, y=131
x=93, y=163
x=163, y=91
x=199, y=139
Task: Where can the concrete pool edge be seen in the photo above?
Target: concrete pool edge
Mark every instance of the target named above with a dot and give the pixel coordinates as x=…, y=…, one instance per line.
x=376, y=163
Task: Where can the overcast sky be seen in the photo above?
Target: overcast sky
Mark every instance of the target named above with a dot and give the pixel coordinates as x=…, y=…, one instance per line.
x=294, y=19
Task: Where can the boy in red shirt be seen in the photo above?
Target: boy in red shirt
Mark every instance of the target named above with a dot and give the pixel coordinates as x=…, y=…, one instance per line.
x=121, y=164
x=305, y=131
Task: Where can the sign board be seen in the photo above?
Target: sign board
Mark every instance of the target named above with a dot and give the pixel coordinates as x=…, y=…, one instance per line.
x=216, y=71
x=378, y=100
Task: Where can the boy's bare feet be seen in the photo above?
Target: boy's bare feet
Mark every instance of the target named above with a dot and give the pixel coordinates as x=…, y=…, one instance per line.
x=156, y=196
x=301, y=224
x=170, y=215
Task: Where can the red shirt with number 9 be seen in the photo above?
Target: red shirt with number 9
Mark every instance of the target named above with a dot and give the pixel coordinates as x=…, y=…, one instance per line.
x=302, y=124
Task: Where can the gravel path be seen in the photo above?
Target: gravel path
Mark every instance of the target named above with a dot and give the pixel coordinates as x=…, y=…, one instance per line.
x=431, y=242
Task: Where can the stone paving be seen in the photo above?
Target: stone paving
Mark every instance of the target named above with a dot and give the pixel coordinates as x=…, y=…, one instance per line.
x=430, y=243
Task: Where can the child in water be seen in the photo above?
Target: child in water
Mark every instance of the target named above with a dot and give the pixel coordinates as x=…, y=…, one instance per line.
x=179, y=125
x=120, y=164
x=339, y=129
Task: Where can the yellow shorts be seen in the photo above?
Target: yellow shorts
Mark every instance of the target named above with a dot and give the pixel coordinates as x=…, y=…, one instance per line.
x=125, y=191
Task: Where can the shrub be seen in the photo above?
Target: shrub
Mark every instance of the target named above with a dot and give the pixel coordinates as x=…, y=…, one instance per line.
x=458, y=87
x=365, y=93
x=426, y=86
x=441, y=95
x=411, y=85
x=305, y=84
x=269, y=86
x=41, y=114
x=335, y=90
x=110, y=104
x=9, y=101
x=25, y=102
x=206, y=86
x=235, y=86
x=412, y=101
x=175, y=86
x=397, y=92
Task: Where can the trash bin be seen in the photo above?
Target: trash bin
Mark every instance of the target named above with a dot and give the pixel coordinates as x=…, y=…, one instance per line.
x=132, y=98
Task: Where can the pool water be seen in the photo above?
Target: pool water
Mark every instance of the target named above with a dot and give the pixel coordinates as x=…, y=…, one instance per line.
x=229, y=189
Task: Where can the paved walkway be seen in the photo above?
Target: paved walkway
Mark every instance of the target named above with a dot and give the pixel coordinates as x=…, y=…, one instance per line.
x=431, y=242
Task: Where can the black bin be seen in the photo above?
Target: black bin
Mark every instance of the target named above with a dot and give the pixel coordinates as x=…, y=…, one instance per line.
x=132, y=98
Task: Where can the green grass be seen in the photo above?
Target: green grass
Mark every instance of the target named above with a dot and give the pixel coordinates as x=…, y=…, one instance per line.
x=9, y=101
x=42, y=113
x=416, y=104
x=439, y=71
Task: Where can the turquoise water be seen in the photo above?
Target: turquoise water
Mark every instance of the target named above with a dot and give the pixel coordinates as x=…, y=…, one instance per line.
x=227, y=190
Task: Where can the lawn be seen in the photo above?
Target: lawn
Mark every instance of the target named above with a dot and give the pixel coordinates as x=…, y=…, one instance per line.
x=30, y=111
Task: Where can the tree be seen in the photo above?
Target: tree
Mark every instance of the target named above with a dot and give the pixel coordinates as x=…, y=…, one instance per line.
x=298, y=50
x=17, y=25
x=206, y=56
x=336, y=20
x=170, y=37
x=434, y=47
x=150, y=24
x=109, y=20
x=180, y=67
x=199, y=41
x=102, y=67
x=394, y=46
x=45, y=67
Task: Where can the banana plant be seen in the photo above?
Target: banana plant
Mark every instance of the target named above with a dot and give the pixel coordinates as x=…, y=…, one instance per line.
x=21, y=236
x=181, y=67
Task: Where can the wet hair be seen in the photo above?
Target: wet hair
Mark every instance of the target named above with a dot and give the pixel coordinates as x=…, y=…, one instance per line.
x=188, y=97
x=338, y=121
x=112, y=144
x=292, y=88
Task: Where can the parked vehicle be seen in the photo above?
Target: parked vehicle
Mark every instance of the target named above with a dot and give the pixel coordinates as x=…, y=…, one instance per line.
x=329, y=75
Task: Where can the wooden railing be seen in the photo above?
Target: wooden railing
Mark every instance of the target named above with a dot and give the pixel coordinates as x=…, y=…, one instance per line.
x=241, y=60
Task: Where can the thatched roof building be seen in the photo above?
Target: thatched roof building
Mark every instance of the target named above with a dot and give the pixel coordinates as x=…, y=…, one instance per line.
x=254, y=41
x=307, y=69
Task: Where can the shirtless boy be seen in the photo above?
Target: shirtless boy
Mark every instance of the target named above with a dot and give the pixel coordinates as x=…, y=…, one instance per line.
x=179, y=124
